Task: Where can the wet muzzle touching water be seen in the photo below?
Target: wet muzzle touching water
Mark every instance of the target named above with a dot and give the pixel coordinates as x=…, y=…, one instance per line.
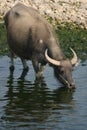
x=66, y=83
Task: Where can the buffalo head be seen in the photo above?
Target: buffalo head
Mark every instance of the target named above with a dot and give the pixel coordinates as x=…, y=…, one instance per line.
x=63, y=69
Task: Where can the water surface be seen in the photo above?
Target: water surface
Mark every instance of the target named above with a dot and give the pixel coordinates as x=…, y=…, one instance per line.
x=28, y=104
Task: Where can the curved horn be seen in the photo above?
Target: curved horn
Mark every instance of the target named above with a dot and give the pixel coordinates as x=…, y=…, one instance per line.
x=74, y=59
x=54, y=62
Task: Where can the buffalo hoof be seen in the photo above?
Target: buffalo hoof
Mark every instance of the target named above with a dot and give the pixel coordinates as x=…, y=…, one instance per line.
x=12, y=68
x=24, y=73
x=26, y=69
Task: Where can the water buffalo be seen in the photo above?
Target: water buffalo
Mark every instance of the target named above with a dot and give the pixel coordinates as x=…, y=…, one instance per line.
x=31, y=37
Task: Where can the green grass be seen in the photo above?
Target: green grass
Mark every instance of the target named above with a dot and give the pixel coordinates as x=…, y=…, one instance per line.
x=73, y=36
x=3, y=41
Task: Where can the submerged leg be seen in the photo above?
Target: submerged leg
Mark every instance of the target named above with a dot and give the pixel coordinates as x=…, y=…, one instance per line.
x=38, y=69
x=12, y=61
x=42, y=68
x=25, y=66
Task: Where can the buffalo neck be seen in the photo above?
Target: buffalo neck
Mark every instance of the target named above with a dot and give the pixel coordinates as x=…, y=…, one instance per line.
x=55, y=51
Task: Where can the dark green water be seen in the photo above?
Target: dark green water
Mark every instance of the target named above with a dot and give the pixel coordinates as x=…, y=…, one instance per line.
x=28, y=104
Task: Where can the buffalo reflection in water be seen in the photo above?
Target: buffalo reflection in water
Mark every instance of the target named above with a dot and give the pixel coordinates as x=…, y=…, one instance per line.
x=33, y=102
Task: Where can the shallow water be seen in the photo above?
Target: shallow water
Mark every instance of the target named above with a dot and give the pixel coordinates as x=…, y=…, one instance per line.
x=28, y=104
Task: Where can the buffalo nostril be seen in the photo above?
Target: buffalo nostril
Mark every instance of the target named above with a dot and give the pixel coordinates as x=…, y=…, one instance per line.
x=72, y=85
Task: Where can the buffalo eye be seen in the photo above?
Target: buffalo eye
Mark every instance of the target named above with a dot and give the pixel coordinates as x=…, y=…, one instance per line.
x=62, y=70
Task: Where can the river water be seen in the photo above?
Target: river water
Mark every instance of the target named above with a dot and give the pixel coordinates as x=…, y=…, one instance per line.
x=28, y=104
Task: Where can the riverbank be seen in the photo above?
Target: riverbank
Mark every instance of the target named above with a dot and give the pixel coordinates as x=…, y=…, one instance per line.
x=74, y=11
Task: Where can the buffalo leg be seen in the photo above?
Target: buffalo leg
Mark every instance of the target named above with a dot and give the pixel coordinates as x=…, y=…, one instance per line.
x=12, y=61
x=25, y=66
x=36, y=68
x=42, y=67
